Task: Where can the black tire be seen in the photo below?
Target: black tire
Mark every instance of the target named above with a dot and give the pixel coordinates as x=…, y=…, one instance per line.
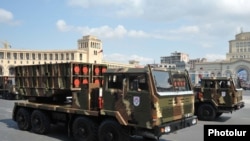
x=110, y=130
x=206, y=112
x=149, y=137
x=40, y=122
x=4, y=95
x=218, y=114
x=84, y=129
x=145, y=138
x=23, y=119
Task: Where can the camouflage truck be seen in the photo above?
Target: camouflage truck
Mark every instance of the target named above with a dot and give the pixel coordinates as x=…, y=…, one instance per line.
x=7, y=88
x=217, y=95
x=99, y=103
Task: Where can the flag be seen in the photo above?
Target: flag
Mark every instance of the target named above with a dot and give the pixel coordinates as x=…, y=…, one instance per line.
x=100, y=51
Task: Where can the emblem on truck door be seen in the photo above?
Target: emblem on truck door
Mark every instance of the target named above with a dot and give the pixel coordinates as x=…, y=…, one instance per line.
x=136, y=100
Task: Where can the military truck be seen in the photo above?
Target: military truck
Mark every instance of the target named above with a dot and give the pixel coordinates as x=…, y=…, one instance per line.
x=98, y=103
x=217, y=95
x=7, y=88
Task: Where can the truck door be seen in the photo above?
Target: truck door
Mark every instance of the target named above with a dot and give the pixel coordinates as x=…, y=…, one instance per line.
x=224, y=93
x=209, y=89
x=139, y=98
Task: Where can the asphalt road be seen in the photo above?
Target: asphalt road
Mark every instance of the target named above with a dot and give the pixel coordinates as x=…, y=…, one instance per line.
x=10, y=132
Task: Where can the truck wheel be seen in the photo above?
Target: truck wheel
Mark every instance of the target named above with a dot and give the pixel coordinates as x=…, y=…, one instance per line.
x=218, y=114
x=206, y=112
x=112, y=131
x=84, y=129
x=149, y=137
x=23, y=119
x=40, y=122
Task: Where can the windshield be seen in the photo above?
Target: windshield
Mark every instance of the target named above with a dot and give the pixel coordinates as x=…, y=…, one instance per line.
x=168, y=82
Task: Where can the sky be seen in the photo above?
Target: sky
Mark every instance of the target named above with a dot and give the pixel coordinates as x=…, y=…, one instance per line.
x=141, y=30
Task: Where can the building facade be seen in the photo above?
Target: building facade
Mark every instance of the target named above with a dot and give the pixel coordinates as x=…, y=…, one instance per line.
x=192, y=62
x=236, y=64
x=239, y=48
x=174, y=58
x=177, y=60
x=89, y=50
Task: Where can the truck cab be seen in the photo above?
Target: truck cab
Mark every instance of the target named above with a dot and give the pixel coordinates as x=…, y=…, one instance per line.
x=217, y=95
x=7, y=88
x=151, y=101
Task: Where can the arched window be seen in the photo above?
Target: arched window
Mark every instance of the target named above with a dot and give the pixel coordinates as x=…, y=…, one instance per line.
x=11, y=71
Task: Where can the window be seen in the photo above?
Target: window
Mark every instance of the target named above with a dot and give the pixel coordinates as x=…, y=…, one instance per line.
x=162, y=81
x=137, y=82
x=72, y=56
x=62, y=56
x=15, y=56
x=1, y=55
x=223, y=84
x=11, y=71
x=56, y=56
x=51, y=56
x=168, y=82
x=241, y=44
x=8, y=56
x=39, y=56
x=209, y=84
x=80, y=56
x=116, y=81
x=27, y=56
x=237, y=44
x=21, y=56
x=45, y=56
x=33, y=56
x=67, y=56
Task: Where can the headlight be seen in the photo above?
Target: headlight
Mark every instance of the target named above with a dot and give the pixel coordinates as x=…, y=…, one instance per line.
x=167, y=129
x=194, y=121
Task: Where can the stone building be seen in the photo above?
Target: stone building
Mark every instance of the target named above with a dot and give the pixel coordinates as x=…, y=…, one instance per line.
x=174, y=58
x=177, y=60
x=236, y=64
x=239, y=48
x=89, y=50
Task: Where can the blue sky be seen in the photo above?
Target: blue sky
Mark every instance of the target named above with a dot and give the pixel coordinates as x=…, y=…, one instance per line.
x=142, y=30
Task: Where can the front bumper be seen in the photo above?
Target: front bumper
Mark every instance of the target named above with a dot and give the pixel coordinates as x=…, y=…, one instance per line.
x=175, y=125
x=239, y=105
x=226, y=109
